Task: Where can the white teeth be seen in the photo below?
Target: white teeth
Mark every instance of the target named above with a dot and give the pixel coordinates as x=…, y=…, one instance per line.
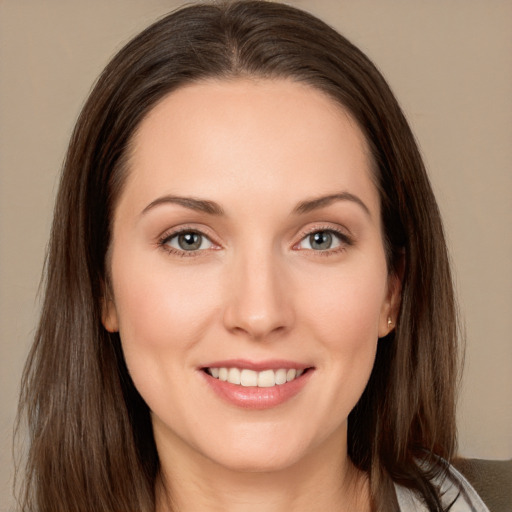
x=266, y=379
x=281, y=376
x=263, y=379
x=291, y=374
x=223, y=374
x=248, y=378
x=234, y=376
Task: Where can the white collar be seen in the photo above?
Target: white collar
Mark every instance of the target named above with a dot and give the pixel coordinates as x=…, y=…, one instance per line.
x=454, y=488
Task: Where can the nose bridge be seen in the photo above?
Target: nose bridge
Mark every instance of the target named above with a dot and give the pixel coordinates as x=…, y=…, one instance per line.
x=258, y=303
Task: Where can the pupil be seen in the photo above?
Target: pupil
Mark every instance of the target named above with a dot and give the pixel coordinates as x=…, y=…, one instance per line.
x=189, y=241
x=320, y=240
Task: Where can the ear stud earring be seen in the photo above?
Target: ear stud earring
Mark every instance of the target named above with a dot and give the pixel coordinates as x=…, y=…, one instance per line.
x=390, y=322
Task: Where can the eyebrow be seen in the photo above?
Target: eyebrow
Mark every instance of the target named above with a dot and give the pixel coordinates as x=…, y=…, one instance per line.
x=323, y=201
x=213, y=208
x=200, y=205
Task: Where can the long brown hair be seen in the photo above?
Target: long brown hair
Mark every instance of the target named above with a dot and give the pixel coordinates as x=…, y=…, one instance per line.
x=91, y=442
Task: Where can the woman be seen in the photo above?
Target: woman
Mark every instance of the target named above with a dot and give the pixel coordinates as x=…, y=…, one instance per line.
x=248, y=301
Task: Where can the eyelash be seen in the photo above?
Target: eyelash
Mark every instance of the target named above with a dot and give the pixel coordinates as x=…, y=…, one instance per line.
x=344, y=239
x=164, y=240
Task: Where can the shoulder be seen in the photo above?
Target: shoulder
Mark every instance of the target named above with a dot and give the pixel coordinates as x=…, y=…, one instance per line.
x=455, y=490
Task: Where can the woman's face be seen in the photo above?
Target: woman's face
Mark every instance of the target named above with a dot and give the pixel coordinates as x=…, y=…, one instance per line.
x=247, y=246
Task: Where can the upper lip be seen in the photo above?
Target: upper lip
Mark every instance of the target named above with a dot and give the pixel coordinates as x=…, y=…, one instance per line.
x=258, y=366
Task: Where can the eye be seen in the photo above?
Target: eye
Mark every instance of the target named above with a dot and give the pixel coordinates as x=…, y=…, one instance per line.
x=322, y=240
x=188, y=241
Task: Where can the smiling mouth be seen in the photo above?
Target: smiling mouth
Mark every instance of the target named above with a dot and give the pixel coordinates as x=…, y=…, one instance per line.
x=251, y=378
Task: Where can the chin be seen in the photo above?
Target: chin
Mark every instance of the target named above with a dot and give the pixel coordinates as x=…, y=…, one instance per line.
x=256, y=461
x=260, y=453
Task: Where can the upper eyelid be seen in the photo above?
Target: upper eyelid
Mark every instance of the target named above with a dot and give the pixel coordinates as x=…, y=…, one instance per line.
x=172, y=232
x=343, y=237
x=342, y=232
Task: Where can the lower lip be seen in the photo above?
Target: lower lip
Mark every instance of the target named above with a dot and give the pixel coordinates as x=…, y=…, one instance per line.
x=253, y=397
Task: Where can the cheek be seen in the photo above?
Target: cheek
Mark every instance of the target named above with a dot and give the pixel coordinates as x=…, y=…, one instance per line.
x=159, y=309
x=343, y=314
x=344, y=317
x=346, y=303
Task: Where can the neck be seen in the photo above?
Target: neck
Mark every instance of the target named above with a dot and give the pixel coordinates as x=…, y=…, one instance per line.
x=325, y=480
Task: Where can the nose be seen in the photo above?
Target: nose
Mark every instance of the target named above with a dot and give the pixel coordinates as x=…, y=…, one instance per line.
x=259, y=302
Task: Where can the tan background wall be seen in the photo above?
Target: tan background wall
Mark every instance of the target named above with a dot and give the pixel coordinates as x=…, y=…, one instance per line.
x=450, y=64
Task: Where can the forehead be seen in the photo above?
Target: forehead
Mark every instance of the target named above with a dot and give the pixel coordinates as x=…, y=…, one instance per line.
x=249, y=136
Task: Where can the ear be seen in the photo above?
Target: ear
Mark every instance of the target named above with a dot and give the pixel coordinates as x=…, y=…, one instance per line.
x=391, y=305
x=109, y=317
